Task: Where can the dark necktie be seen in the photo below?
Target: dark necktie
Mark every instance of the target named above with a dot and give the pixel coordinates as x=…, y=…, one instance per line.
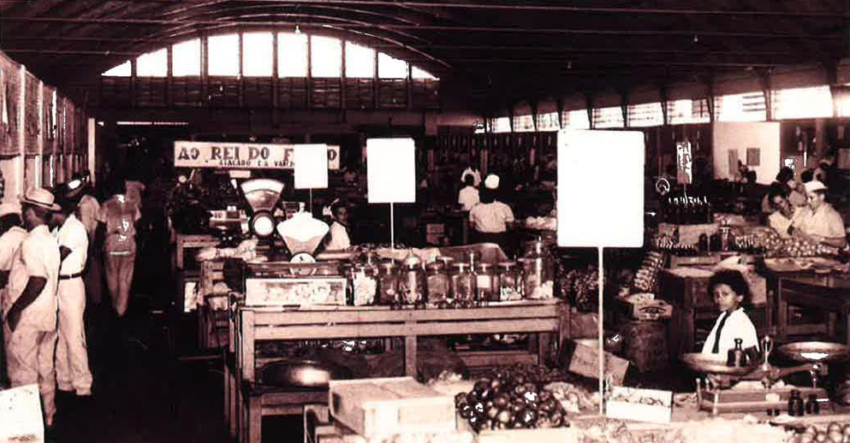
x=716, y=348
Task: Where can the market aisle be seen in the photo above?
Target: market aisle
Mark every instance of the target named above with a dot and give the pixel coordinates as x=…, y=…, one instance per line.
x=151, y=397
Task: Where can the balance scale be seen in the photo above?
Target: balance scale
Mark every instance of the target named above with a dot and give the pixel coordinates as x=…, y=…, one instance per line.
x=720, y=397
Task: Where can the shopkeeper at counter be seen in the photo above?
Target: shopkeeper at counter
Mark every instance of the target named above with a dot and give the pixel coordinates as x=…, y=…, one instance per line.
x=819, y=222
x=490, y=218
x=338, y=238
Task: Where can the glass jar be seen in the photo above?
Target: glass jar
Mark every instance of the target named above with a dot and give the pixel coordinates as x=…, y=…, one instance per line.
x=509, y=283
x=364, y=284
x=411, y=287
x=437, y=282
x=387, y=283
x=462, y=283
x=485, y=282
x=538, y=271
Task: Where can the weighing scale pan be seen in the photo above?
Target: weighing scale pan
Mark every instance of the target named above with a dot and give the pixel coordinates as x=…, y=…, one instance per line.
x=815, y=351
x=713, y=364
x=303, y=373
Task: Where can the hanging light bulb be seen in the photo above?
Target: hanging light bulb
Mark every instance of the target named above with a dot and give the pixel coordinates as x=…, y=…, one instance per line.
x=297, y=29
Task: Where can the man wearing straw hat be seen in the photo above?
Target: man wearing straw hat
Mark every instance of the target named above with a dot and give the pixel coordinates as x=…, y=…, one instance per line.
x=30, y=303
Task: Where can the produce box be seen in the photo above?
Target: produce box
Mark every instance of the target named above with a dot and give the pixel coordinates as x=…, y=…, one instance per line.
x=647, y=405
x=584, y=324
x=20, y=415
x=370, y=407
x=645, y=309
x=346, y=435
x=585, y=361
x=316, y=423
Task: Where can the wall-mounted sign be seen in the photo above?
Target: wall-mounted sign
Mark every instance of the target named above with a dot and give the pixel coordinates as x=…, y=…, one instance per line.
x=753, y=157
x=223, y=155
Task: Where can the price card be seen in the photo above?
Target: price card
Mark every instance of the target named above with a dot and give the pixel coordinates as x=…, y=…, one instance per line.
x=311, y=166
x=600, y=188
x=391, y=170
x=684, y=163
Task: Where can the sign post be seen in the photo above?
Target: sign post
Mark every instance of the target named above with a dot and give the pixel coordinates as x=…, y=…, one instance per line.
x=614, y=214
x=391, y=173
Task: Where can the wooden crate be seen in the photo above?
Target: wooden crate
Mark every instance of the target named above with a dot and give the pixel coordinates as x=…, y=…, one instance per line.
x=384, y=406
x=552, y=435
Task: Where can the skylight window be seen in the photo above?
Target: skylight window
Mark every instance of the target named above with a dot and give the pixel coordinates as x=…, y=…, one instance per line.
x=186, y=58
x=122, y=70
x=257, y=54
x=153, y=64
x=390, y=67
x=359, y=61
x=326, y=56
x=421, y=74
x=802, y=103
x=224, y=55
x=292, y=54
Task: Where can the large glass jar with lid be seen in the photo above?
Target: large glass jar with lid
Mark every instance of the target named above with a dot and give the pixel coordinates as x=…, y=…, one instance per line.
x=411, y=283
x=509, y=281
x=437, y=282
x=462, y=284
x=538, y=271
x=387, y=283
x=485, y=281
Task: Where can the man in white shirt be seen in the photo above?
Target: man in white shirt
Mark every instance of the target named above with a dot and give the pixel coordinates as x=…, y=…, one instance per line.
x=13, y=234
x=339, y=229
x=72, y=364
x=468, y=196
x=30, y=303
x=491, y=219
x=819, y=222
x=471, y=170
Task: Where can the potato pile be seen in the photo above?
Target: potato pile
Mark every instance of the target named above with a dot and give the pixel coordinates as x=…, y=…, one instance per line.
x=833, y=433
x=776, y=246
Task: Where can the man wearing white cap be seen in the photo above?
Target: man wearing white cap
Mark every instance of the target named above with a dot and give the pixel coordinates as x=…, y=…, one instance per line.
x=31, y=304
x=490, y=219
x=10, y=241
x=819, y=222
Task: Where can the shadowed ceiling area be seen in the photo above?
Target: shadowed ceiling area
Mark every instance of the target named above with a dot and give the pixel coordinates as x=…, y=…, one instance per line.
x=500, y=49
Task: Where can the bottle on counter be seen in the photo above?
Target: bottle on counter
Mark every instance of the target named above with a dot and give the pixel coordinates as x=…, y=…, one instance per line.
x=411, y=285
x=812, y=406
x=387, y=283
x=736, y=357
x=485, y=281
x=509, y=285
x=795, y=404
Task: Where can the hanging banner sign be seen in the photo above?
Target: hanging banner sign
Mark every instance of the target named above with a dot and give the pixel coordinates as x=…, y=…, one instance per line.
x=222, y=155
x=684, y=162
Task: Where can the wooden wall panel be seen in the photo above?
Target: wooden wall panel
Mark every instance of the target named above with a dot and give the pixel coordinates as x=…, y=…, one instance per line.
x=10, y=111
x=257, y=92
x=223, y=92
x=326, y=93
x=359, y=93
x=187, y=92
x=392, y=93
x=48, y=131
x=292, y=93
x=70, y=114
x=32, y=127
x=115, y=92
x=150, y=92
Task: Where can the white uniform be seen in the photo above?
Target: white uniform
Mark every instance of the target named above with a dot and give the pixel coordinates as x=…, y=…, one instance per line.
x=31, y=346
x=738, y=325
x=72, y=363
x=339, y=237
x=468, y=197
x=491, y=218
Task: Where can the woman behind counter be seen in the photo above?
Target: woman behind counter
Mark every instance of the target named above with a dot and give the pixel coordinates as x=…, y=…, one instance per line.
x=731, y=293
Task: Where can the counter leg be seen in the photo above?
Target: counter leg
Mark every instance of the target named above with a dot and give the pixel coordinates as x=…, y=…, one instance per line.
x=543, y=341
x=255, y=419
x=410, y=356
x=782, y=323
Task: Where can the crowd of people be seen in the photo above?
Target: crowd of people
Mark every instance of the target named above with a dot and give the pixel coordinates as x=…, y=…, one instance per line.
x=58, y=249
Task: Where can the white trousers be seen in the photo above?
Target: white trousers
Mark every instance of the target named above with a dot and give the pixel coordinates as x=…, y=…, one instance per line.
x=29, y=355
x=72, y=361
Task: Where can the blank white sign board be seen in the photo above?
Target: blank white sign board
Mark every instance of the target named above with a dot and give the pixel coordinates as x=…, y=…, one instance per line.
x=391, y=170
x=600, y=188
x=311, y=166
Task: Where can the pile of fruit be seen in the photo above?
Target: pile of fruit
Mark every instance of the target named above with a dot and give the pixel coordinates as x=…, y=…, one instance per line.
x=579, y=286
x=513, y=398
x=776, y=246
x=833, y=433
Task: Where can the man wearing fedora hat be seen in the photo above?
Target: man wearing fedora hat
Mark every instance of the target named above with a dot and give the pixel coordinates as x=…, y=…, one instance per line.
x=72, y=363
x=31, y=304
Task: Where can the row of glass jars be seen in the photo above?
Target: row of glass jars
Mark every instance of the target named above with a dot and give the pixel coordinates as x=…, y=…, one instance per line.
x=441, y=281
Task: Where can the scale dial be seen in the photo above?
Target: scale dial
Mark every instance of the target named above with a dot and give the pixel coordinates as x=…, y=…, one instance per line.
x=662, y=186
x=302, y=257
